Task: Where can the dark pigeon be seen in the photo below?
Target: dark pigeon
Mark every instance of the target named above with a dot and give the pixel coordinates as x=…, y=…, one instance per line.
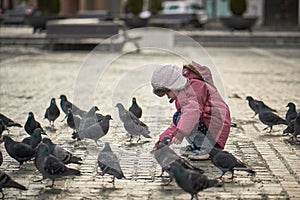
x=34, y=139
x=269, y=118
x=190, y=180
x=9, y=122
x=63, y=155
x=52, y=112
x=296, y=127
x=3, y=127
x=253, y=104
x=49, y=166
x=66, y=105
x=94, y=132
x=21, y=152
x=291, y=112
x=290, y=128
x=73, y=121
x=135, y=108
x=132, y=124
x=31, y=124
x=226, y=162
x=165, y=156
x=7, y=182
x=109, y=163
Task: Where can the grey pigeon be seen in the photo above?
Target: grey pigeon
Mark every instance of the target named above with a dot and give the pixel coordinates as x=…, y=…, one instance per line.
x=34, y=139
x=73, y=121
x=132, y=124
x=291, y=112
x=226, y=162
x=94, y=132
x=1, y=158
x=135, y=108
x=269, y=118
x=165, y=156
x=49, y=166
x=31, y=124
x=63, y=155
x=65, y=105
x=296, y=127
x=9, y=122
x=88, y=119
x=3, y=127
x=109, y=163
x=21, y=152
x=52, y=112
x=7, y=182
x=253, y=104
x=190, y=180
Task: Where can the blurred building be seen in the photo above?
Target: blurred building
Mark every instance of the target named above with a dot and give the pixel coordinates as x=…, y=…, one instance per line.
x=269, y=12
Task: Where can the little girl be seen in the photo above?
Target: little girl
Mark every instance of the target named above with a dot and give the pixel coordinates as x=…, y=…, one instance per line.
x=202, y=116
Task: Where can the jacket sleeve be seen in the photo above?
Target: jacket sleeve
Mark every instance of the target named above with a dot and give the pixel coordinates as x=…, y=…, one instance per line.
x=171, y=132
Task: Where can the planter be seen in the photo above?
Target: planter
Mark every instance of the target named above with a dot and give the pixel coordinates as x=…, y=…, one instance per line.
x=38, y=22
x=136, y=22
x=239, y=23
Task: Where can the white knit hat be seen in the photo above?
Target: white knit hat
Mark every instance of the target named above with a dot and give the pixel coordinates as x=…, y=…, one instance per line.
x=167, y=76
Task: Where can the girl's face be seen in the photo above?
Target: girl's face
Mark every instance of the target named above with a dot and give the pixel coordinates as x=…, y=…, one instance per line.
x=171, y=96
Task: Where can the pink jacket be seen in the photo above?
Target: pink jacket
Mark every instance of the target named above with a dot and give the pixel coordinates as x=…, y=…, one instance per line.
x=200, y=100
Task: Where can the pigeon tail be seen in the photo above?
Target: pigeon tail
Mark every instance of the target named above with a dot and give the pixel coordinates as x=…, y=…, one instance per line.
x=213, y=183
x=14, y=184
x=14, y=124
x=76, y=160
x=71, y=171
x=146, y=135
x=245, y=169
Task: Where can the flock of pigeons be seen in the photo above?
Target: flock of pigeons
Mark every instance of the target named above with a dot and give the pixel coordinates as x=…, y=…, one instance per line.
x=269, y=117
x=51, y=159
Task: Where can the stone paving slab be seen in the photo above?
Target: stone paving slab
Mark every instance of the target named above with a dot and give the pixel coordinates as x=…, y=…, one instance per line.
x=29, y=81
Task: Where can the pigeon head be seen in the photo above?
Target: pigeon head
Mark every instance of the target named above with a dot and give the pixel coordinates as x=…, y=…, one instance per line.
x=53, y=101
x=133, y=100
x=106, y=147
x=291, y=105
x=120, y=106
x=166, y=140
x=63, y=97
x=108, y=117
x=30, y=114
x=37, y=133
x=249, y=98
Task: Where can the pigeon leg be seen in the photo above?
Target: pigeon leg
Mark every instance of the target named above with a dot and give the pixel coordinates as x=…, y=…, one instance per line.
x=221, y=175
x=64, y=118
x=138, y=139
x=130, y=138
x=38, y=180
x=52, y=185
x=2, y=194
x=169, y=181
x=271, y=128
x=162, y=172
x=265, y=128
x=232, y=174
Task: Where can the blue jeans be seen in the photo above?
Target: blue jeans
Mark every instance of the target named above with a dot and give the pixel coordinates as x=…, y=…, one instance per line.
x=198, y=137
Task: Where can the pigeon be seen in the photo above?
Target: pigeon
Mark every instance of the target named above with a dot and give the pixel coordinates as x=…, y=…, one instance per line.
x=253, y=104
x=296, y=127
x=88, y=119
x=269, y=118
x=73, y=121
x=63, y=155
x=21, y=152
x=109, y=163
x=65, y=105
x=94, y=132
x=135, y=108
x=1, y=158
x=50, y=166
x=7, y=182
x=132, y=124
x=165, y=156
x=291, y=112
x=3, y=127
x=190, y=180
x=31, y=124
x=52, y=112
x=9, y=122
x=34, y=139
x=225, y=161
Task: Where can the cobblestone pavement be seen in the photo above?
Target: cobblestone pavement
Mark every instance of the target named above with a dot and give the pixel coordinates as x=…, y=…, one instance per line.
x=29, y=80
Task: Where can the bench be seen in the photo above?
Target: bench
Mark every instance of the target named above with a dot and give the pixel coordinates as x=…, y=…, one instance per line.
x=172, y=20
x=76, y=31
x=99, y=14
